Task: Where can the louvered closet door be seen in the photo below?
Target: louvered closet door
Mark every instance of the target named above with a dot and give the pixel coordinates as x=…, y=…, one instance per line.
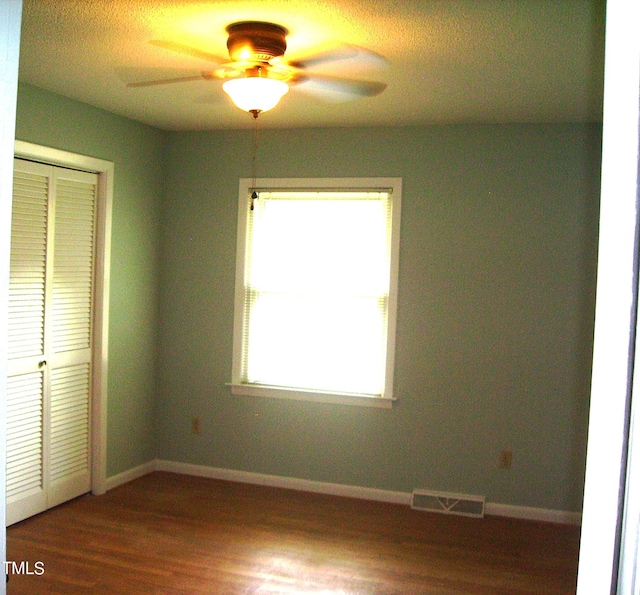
x=50, y=321
x=26, y=390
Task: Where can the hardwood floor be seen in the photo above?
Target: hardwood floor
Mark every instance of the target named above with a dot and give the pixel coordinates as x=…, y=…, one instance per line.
x=177, y=535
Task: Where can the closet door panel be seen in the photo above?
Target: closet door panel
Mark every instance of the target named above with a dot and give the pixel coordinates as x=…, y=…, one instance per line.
x=24, y=436
x=70, y=462
x=26, y=345
x=73, y=261
x=29, y=222
x=70, y=335
x=26, y=494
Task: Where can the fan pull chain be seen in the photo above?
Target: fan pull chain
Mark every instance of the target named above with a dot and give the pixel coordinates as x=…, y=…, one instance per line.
x=254, y=157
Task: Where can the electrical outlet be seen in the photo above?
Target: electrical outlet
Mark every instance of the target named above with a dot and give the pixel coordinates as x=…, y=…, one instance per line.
x=196, y=425
x=506, y=458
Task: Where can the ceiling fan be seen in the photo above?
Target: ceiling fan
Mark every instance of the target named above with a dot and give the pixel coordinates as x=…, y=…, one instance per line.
x=257, y=75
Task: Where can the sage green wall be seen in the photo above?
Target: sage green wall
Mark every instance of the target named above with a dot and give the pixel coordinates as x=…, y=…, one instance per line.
x=137, y=152
x=495, y=316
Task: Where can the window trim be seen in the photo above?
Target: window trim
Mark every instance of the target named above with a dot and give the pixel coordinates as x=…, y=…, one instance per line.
x=246, y=186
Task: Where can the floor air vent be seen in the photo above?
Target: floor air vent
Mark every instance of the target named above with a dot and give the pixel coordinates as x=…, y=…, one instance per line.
x=460, y=504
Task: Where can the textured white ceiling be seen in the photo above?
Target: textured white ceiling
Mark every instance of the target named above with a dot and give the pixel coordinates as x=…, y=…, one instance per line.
x=444, y=60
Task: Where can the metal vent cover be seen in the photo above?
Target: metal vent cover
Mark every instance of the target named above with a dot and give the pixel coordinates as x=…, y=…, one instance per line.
x=447, y=503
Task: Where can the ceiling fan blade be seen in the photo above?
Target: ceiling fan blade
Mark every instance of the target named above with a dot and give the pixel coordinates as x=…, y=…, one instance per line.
x=342, y=52
x=180, y=79
x=181, y=48
x=353, y=87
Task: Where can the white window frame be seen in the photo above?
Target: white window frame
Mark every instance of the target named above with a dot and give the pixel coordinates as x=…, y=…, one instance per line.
x=247, y=185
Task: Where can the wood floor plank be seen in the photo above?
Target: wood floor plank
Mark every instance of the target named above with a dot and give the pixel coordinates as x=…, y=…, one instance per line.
x=170, y=534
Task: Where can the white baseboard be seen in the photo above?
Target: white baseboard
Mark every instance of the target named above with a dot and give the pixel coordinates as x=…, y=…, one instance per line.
x=333, y=489
x=126, y=476
x=533, y=514
x=291, y=483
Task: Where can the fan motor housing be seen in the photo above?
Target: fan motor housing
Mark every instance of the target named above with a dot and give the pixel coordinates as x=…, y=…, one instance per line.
x=265, y=41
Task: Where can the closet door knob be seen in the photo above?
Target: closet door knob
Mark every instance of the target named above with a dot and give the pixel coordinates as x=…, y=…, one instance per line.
x=42, y=364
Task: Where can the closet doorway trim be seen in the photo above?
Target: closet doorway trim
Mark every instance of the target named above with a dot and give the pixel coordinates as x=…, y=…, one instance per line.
x=105, y=171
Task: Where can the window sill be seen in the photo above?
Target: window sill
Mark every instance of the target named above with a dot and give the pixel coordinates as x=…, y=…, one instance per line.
x=279, y=392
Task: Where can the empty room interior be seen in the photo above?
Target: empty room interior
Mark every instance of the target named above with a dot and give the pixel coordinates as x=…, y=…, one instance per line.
x=489, y=114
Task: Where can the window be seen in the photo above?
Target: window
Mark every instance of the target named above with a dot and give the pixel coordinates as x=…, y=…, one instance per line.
x=316, y=289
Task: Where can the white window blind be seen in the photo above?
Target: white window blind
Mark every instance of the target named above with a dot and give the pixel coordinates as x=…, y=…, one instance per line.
x=317, y=297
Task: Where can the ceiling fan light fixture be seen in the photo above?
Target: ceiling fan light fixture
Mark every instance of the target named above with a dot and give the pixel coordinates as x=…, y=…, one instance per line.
x=255, y=93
